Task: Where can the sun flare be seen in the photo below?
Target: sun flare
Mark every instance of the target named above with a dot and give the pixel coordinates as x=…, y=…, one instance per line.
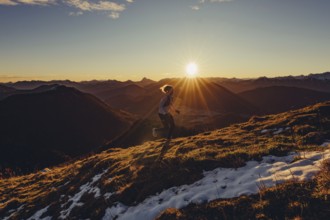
x=191, y=70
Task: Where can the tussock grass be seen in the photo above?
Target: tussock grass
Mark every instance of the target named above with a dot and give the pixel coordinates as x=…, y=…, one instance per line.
x=133, y=174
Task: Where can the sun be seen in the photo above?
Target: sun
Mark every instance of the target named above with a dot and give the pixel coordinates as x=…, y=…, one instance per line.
x=191, y=70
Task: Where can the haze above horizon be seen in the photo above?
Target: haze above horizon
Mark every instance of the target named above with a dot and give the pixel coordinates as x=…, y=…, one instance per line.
x=131, y=39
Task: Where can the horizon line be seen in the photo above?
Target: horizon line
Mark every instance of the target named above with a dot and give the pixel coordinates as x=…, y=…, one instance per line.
x=147, y=78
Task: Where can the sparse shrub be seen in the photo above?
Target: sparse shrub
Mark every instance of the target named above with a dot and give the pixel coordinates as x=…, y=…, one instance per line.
x=255, y=118
x=9, y=172
x=303, y=119
x=279, y=150
x=170, y=213
x=323, y=178
x=312, y=138
x=228, y=143
x=200, y=143
x=303, y=129
x=185, y=149
x=214, y=141
x=210, y=154
x=324, y=110
x=248, y=127
x=236, y=159
x=297, y=158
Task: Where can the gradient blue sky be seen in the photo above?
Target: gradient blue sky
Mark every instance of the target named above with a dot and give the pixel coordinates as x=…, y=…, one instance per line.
x=130, y=39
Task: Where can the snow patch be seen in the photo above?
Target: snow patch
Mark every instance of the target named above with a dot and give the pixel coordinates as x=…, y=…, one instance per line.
x=264, y=131
x=39, y=213
x=86, y=188
x=12, y=214
x=96, y=191
x=46, y=170
x=108, y=195
x=326, y=144
x=279, y=131
x=116, y=210
x=275, y=130
x=225, y=183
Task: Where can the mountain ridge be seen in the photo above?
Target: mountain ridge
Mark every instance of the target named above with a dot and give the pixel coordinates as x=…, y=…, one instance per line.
x=100, y=185
x=275, y=99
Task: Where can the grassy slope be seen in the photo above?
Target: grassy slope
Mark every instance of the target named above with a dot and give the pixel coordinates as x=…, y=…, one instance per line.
x=291, y=200
x=134, y=174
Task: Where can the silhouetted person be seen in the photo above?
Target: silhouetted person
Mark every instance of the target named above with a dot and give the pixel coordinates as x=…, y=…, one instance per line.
x=164, y=112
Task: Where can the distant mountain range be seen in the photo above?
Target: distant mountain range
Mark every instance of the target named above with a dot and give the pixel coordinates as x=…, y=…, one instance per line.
x=318, y=82
x=56, y=123
x=5, y=91
x=275, y=99
x=205, y=96
x=315, y=81
x=315, y=76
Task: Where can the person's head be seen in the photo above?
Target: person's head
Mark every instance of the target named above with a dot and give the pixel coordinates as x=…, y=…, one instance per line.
x=167, y=89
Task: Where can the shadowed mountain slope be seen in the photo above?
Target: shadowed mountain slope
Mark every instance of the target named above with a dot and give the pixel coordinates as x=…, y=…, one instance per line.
x=191, y=94
x=203, y=94
x=11, y=91
x=5, y=91
x=280, y=98
x=47, y=127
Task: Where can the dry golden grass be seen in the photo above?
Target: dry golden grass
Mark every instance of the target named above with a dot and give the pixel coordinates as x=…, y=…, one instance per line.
x=135, y=173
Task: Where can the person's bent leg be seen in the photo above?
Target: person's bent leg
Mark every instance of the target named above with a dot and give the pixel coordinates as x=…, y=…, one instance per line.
x=164, y=130
x=171, y=123
x=163, y=119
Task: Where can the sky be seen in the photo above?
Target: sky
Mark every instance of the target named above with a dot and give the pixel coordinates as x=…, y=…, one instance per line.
x=131, y=39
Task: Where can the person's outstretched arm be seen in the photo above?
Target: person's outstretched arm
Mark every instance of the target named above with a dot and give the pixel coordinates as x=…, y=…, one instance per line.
x=174, y=109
